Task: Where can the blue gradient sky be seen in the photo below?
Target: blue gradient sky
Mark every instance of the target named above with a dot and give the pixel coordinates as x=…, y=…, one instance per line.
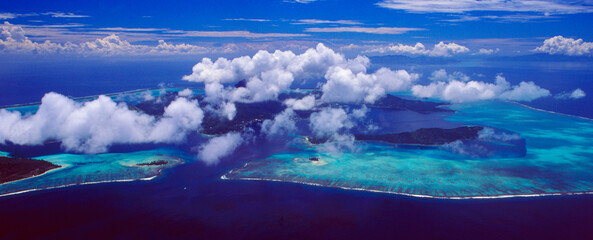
x=514, y=27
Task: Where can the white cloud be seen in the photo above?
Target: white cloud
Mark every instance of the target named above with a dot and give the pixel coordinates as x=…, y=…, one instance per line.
x=311, y=64
x=185, y=92
x=444, y=50
x=235, y=34
x=442, y=76
x=14, y=40
x=458, y=91
x=377, y=30
x=440, y=49
x=560, y=45
x=7, y=15
x=489, y=133
x=525, y=91
x=460, y=6
x=334, y=125
x=122, y=29
x=64, y=15
x=267, y=74
x=93, y=126
x=180, y=116
x=282, y=124
x=329, y=122
x=319, y=21
x=219, y=147
x=344, y=85
x=576, y=94
x=229, y=110
x=164, y=48
x=306, y=103
x=247, y=19
x=300, y=1
x=484, y=51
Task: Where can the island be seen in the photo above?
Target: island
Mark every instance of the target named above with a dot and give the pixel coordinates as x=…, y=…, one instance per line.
x=12, y=169
x=425, y=136
x=153, y=163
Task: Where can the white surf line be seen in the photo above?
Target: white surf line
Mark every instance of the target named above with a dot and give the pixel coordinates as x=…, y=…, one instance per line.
x=224, y=177
x=76, y=184
x=548, y=111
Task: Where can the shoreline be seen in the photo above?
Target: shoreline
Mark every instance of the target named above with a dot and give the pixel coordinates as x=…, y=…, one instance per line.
x=75, y=184
x=548, y=111
x=159, y=172
x=46, y=172
x=502, y=196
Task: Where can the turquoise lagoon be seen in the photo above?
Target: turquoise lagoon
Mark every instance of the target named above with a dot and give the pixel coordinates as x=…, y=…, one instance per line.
x=86, y=169
x=77, y=169
x=559, y=160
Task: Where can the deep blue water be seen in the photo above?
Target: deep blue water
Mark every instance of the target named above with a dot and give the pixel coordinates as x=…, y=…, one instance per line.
x=190, y=201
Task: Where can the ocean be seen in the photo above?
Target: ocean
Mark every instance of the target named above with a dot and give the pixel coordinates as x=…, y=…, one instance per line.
x=191, y=201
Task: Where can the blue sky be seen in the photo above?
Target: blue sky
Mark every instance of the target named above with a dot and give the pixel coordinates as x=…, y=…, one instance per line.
x=496, y=26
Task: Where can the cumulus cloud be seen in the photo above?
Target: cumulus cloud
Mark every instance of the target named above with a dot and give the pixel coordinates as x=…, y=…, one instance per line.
x=93, y=126
x=560, y=45
x=282, y=124
x=334, y=125
x=576, y=94
x=266, y=74
x=440, y=49
x=180, y=116
x=329, y=122
x=185, y=92
x=345, y=85
x=306, y=103
x=311, y=64
x=219, y=147
x=458, y=91
x=13, y=39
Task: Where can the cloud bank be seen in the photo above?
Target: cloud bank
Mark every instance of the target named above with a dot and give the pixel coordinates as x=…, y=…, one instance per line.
x=440, y=49
x=347, y=86
x=458, y=91
x=93, y=126
x=560, y=45
x=266, y=74
x=14, y=40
